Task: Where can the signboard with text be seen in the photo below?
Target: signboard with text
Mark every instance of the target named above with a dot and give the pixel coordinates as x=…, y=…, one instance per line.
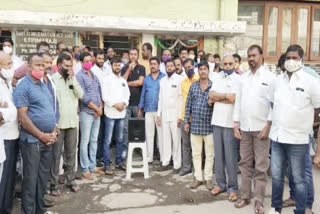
x=26, y=41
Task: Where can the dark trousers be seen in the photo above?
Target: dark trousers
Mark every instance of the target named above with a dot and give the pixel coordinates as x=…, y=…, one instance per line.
x=101, y=139
x=186, y=150
x=36, y=167
x=8, y=176
x=68, y=139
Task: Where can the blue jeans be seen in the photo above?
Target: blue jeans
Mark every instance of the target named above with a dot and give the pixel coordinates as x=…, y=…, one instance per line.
x=111, y=125
x=309, y=181
x=295, y=155
x=89, y=127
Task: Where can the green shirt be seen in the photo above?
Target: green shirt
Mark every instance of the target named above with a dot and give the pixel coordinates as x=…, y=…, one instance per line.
x=68, y=93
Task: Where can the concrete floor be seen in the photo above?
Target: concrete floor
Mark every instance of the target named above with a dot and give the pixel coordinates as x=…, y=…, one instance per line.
x=163, y=193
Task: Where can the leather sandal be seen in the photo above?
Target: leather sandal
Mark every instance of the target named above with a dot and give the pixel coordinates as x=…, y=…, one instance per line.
x=233, y=197
x=241, y=203
x=216, y=191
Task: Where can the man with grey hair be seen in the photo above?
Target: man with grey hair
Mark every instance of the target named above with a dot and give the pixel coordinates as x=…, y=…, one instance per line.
x=223, y=95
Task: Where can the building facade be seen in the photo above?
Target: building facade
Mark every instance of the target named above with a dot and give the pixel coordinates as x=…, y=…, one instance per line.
x=217, y=26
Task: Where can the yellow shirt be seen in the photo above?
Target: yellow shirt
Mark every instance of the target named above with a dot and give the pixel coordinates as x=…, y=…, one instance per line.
x=146, y=64
x=185, y=86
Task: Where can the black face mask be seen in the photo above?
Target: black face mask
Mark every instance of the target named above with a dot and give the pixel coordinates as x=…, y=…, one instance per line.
x=216, y=65
x=64, y=72
x=190, y=73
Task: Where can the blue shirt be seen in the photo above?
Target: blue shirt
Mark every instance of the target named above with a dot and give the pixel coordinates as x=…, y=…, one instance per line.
x=150, y=93
x=198, y=110
x=37, y=98
x=91, y=91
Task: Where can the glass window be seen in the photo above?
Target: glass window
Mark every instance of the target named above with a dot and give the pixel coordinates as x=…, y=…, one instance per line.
x=303, y=14
x=286, y=28
x=120, y=43
x=254, y=16
x=316, y=33
x=272, y=31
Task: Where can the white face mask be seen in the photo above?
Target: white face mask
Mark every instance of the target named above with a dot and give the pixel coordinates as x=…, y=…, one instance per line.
x=7, y=50
x=293, y=65
x=211, y=65
x=7, y=73
x=191, y=56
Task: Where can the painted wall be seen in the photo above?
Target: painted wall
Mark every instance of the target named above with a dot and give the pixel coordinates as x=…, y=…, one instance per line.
x=172, y=9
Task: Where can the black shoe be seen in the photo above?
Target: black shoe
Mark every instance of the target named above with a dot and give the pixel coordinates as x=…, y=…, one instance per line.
x=184, y=172
x=164, y=168
x=121, y=167
x=100, y=164
x=176, y=171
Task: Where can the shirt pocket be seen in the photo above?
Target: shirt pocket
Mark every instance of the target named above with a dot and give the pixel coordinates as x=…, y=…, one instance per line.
x=298, y=97
x=262, y=89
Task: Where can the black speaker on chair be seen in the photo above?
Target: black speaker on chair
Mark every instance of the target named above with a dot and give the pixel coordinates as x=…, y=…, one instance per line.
x=136, y=130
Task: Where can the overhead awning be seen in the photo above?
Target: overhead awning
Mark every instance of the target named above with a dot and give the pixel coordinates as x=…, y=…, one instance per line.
x=57, y=21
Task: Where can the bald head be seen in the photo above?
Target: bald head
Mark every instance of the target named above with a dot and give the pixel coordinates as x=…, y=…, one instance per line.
x=5, y=60
x=228, y=63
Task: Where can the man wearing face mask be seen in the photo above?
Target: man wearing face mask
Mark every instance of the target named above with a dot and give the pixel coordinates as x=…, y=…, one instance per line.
x=22, y=71
x=252, y=115
x=169, y=111
x=192, y=77
x=198, y=123
x=166, y=55
x=223, y=95
x=68, y=93
x=10, y=136
x=76, y=53
x=8, y=49
x=294, y=95
x=38, y=133
x=90, y=113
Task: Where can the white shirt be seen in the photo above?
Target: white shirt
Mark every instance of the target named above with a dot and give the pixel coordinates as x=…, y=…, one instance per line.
x=213, y=75
x=252, y=108
x=101, y=73
x=114, y=90
x=77, y=68
x=16, y=62
x=294, y=102
x=223, y=113
x=10, y=127
x=170, y=98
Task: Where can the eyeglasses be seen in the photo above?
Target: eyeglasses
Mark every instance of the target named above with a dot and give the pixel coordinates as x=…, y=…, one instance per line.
x=226, y=63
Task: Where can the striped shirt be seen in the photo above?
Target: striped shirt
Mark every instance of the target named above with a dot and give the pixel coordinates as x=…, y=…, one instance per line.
x=91, y=91
x=198, y=109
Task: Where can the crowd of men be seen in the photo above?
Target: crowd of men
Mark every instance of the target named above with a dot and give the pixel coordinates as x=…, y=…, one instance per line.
x=190, y=103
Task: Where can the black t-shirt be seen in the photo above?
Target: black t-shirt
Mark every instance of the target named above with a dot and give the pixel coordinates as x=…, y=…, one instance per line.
x=135, y=92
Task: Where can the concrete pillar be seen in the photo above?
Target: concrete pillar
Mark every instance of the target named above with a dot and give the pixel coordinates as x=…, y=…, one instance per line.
x=210, y=44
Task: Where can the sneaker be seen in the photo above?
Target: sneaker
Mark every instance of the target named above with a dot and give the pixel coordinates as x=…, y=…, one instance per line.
x=164, y=168
x=195, y=184
x=209, y=185
x=108, y=172
x=273, y=211
x=87, y=176
x=49, y=201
